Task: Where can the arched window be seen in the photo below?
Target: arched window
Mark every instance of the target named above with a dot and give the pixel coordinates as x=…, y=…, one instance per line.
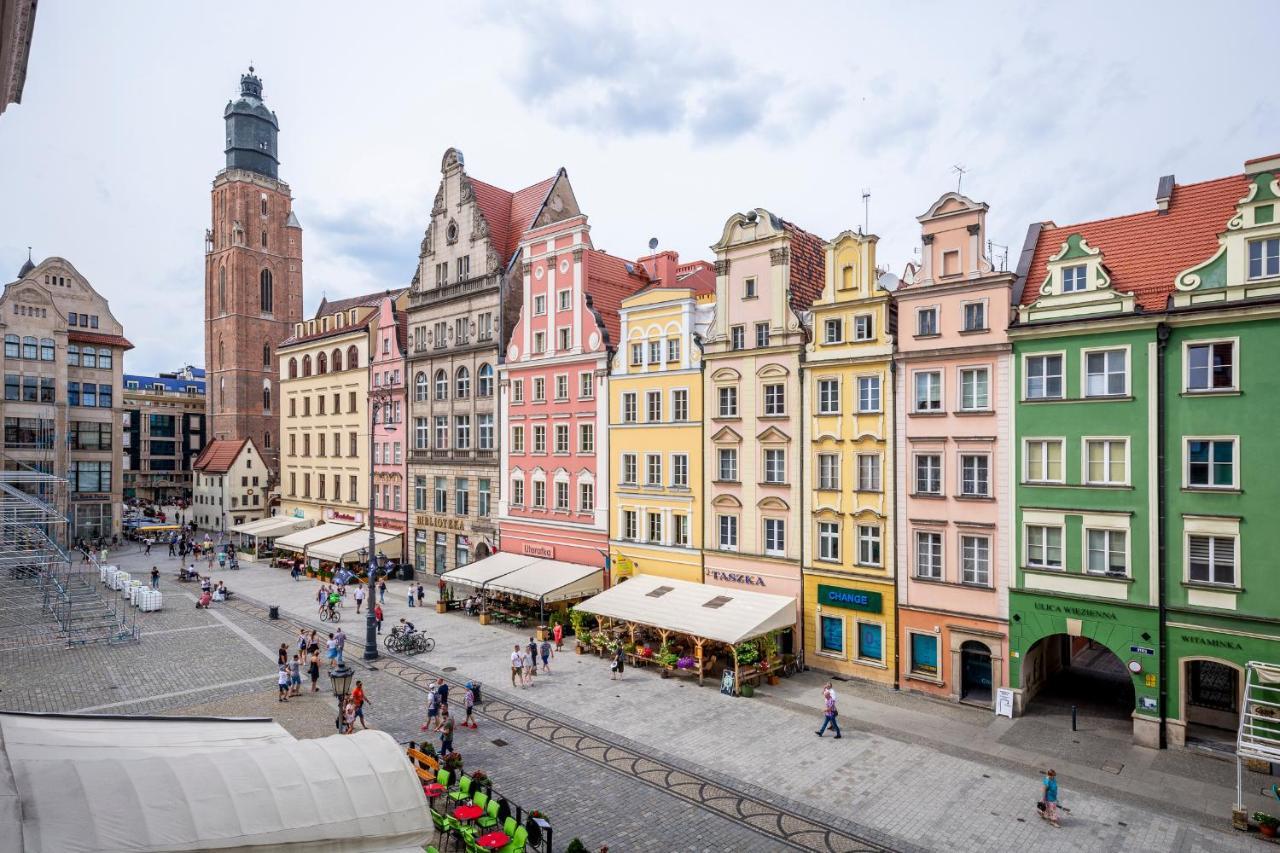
x=88, y=356
x=420, y=387
x=266, y=297
x=13, y=346
x=46, y=349
x=293, y=368
x=31, y=348
x=464, y=383
x=266, y=440
x=266, y=355
x=264, y=238
x=484, y=381
x=264, y=205
x=322, y=364
x=442, y=385
x=306, y=365
x=337, y=360
x=222, y=288
x=221, y=352
x=266, y=398
x=353, y=357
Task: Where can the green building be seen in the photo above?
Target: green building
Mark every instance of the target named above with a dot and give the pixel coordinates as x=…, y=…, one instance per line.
x=1140, y=352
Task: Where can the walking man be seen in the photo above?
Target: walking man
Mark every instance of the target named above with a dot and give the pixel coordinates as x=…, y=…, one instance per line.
x=155, y=577
x=377, y=616
x=359, y=700
x=359, y=594
x=829, y=712
x=382, y=590
x=433, y=710
x=446, y=732
x=515, y=666
x=469, y=702
x=1049, y=798
x=410, y=595
x=340, y=638
x=544, y=651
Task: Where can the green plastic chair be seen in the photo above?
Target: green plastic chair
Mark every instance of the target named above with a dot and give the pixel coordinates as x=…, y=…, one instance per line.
x=430, y=849
x=440, y=821
x=490, y=818
x=509, y=827
x=442, y=777
x=464, y=790
x=480, y=799
x=517, y=842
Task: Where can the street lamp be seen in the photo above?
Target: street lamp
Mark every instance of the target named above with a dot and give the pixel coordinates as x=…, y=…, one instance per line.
x=379, y=401
x=341, y=678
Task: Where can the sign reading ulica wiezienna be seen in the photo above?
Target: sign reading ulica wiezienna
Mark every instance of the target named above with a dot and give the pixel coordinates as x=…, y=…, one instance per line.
x=850, y=599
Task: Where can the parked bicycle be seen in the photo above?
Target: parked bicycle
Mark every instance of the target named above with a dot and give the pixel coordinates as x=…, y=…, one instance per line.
x=412, y=644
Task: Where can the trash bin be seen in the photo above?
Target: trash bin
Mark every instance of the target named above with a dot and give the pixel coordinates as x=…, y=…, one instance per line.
x=273, y=612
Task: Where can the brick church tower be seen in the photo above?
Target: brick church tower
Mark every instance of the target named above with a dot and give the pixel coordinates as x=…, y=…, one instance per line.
x=253, y=277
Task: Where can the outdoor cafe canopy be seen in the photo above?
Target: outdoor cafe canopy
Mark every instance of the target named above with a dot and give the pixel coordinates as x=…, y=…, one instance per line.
x=480, y=573
x=710, y=612
x=276, y=525
x=347, y=546
x=551, y=580
x=300, y=540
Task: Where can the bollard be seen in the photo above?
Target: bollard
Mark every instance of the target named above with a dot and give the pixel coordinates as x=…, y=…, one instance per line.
x=1073, y=718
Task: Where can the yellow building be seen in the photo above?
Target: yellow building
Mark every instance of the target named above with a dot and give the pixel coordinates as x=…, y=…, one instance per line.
x=655, y=425
x=848, y=554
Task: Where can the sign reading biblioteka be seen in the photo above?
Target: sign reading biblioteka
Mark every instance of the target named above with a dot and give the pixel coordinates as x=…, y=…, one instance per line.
x=850, y=599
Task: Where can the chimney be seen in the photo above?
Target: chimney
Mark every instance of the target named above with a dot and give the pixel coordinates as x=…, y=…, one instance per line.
x=662, y=266
x=1164, y=192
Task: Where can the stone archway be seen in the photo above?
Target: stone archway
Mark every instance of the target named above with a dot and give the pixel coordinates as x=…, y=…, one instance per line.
x=1061, y=672
x=1209, y=701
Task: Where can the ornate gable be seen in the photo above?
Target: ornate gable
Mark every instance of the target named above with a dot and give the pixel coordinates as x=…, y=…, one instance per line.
x=1247, y=262
x=1076, y=283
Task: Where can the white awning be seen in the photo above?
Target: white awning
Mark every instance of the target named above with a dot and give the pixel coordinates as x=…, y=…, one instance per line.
x=349, y=544
x=700, y=610
x=143, y=784
x=481, y=572
x=303, y=538
x=277, y=525
x=551, y=580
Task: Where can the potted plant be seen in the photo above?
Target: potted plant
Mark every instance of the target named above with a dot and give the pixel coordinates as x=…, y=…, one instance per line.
x=686, y=662
x=1266, y=824
x=480, y=781
x=747, y=653
x=576, y=846
x=452, y=761
x=769, y=658
x=666, y=658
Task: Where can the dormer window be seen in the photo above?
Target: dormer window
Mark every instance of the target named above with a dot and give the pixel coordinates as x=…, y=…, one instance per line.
x=1264, y=258
x=337, y=321
x=1074, y=278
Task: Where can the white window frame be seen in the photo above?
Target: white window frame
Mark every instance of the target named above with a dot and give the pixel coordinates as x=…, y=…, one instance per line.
x=915, y=477
x=1027, y=358
x=878, y=472
x=1248, y=260
x=863, y=539
x=680, y=470
x=960, y=458
x=727, y=524
x=879, y=393
x=916, y=553
x=730, y=391
x=1187, y=346
x=1107, y=440
x=720, y=459
x=974, y=369
x=769, y=542
x=1084, y=371
x=679, y=405
x=964, y=557
x=1208, y=527
x=629, y=469
x=1046, y=441
x=830, y=325
x=1062, y=545
x=765, y=402
x=937, y=321
x=828, y=395
x=829, y=541
x=861, y=335
x=1092, y=526
x=1234, y=440
x=986, y=320
x=1083, y=269
x=765, y=455
x=832, y=484
x=941, y=395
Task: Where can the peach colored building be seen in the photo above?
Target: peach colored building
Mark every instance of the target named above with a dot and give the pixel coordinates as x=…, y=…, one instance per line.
x=954, y=440
x=389, y=404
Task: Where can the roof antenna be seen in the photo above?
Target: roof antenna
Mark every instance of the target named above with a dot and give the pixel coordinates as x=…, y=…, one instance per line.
x=959, y=170
x=866, y=210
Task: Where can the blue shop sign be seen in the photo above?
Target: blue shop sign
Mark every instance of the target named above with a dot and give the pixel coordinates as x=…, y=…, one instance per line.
x=850, y=599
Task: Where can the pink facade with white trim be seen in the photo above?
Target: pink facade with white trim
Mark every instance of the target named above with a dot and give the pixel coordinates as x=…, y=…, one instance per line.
x=390, y=435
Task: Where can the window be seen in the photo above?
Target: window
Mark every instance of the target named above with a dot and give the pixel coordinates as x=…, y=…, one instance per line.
x=1106, y=462
x=562, y=438
x=655, y=527
x=539, y=342
x=680, y=405
x=564, y=338
x=928, y=396
x=868, y=394
x=563, y=300
x=539, y=305
x=463, y=265
x=833, y=331
x=868, y=472
x=630, y=525
x=586, y=387
x=728, y=401
x=829, y=471
x=484, y=324
x=1044, y=377
x=88, y=358
x=586, y=438
x=463, y=383
x=928, y=474
x=484, y=428
x=540, y=494
x=727, y=464
x=1211, y=366
x=421, y=434
x=12, y=349
x=653, y=469
x=586, y=497
x=442, y=385
x=539, y=439
x=680, y=535
x=1043, y=461
x=749, y=288
x=562, y=495
x=831, y=635
x=737, y=337
x=1106, y=375
x=629, y=412
x=47, y=348
x=975, y=475
x=462, y=432
x=863, y=327
x=868, y=545
x=1264, y=258
x=680, y=469
x=1044, y=547
x=775, y=466
x=539, y=389
x=975, y=560
x=1073, y=278
x=926, y=322
x=266, y=297
x=775, y=400
x=653, y=406
x=517, y=391
x=562, y=386
x=828, y=396
x=655, y=352
x=1106, y=552
x=1211, y=463
x=829, y=541
x=629, y=468
x=637, y=354
x=775, y=537
x=1211, y=559
x=517, y=491
x=517, y=439
x=484, y=381
x=442, y=432
x=762, y=334
x=975, y=316
x=975, y=389
x=673, y=350
x=483, y=497
x=924, y=655
x=928, y=555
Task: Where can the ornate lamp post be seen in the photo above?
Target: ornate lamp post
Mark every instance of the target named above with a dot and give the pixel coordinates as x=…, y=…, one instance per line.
x=341, y=679
x=379, y=402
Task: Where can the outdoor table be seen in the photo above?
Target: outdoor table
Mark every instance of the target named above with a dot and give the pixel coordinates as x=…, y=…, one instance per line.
x=435, y=789
x=493, y=840
x=468, y=812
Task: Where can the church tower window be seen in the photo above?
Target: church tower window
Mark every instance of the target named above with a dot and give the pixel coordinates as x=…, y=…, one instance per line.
x=266, y=297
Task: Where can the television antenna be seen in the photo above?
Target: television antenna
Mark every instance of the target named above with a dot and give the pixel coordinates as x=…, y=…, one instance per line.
x=866, y=210
x=1003, y=252
x=959, y=170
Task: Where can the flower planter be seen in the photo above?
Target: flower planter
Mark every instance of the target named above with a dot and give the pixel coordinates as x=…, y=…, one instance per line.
x=1268, y=830
x=484, y=618
x=578, y=648
x=542, y=633
x=442, y=607
x=773, y=680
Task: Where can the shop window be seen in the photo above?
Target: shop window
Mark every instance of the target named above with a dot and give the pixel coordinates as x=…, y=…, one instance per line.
x=924, y=655
x=832, y=639
x=871, y=642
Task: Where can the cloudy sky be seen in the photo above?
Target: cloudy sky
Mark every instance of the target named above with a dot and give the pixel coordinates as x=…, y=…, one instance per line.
x=668, y=116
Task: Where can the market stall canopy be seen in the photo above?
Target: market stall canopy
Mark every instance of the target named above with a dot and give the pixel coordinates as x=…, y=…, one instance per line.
x=482, y=572
x=303, y=538
x=149, y=784
x=700, y=610
x=348, y=545
x=276, y=525
x=551, y=580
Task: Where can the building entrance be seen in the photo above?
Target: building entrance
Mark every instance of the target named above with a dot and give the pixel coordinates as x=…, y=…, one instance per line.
x=1061, y=671
x=975, y=673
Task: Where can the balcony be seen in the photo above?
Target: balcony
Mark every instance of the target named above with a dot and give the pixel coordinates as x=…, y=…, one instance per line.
x=452, y=456
x=433, y=295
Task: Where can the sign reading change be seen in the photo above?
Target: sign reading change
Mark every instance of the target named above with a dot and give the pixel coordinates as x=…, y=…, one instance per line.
x=850, y=599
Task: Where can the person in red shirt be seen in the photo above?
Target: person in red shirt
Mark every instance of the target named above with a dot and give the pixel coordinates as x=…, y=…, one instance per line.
x=377, y=616
x=359, y=700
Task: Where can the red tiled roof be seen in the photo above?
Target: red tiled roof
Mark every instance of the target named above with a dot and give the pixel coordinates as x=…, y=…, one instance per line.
x=699, y=276
x=219, y=455
x=808, y=266
x=509, y=214
x=101, y=340
x=327, y=309
x=609, y=281
x=1143, y=252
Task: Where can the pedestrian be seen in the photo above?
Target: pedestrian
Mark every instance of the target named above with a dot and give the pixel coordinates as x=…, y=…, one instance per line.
x=173, y=552
x=528, y=664
x=557, y=634
x=313, y=669
x=446, y=732
x=382, y=590
x=421, y=594
x=322, y=595
x=516, y=666
x=1049, y=799
x=377, y=616
x=146, y=545
x=295, y=676
x=469, y=702
x=359, y=699
x=302, y=641
x=331, y=651
x=341, y=639
x=532, y=649
x=313, y=643
x=410, y=595
x=544, y=651
x=349, y=718
x=433, y=710
x=619, y=663
x=359, y=596
x=282, y=656
x=829, y=712
x=282, y=681
x=155, y=577
x=443, y=690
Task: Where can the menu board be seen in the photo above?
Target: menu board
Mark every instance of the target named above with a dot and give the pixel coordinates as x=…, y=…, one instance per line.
x=726, y=682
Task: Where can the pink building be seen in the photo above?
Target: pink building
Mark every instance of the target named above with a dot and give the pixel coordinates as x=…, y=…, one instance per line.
x=954, y=439
x=553, y=386
x=388, y=397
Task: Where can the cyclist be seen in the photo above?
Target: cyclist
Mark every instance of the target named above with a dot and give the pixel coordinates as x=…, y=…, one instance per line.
x=406, y=628
x=332, y=603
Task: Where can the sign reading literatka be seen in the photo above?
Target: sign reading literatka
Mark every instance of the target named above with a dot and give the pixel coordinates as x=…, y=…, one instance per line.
x=546, y=552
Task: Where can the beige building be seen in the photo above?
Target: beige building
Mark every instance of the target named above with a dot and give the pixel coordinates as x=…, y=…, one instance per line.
x=63, y=368
x=230, y=482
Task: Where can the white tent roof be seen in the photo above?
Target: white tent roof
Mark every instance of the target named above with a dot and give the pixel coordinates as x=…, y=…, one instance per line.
x=734, y=615
x=146, y=784
x=481, y=572
x=300, y=540
x=339, y=548
x=273, y=526
x=551, y=580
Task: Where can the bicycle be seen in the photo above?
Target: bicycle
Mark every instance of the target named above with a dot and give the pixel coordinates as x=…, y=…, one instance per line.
x=328, y=615
x=399, y=641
